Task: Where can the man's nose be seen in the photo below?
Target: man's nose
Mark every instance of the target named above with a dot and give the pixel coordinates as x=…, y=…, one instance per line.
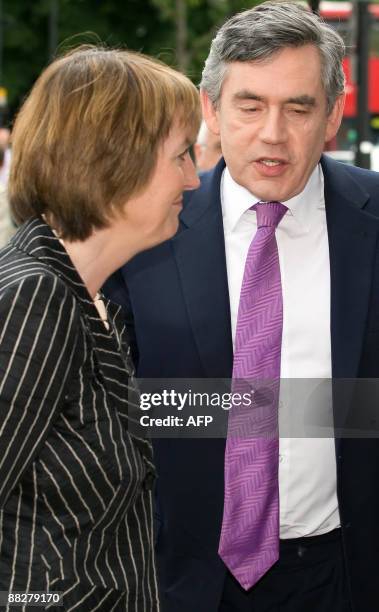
x=273, y=128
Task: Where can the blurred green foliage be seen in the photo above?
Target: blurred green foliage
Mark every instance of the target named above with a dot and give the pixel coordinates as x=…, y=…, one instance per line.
x=150, y=26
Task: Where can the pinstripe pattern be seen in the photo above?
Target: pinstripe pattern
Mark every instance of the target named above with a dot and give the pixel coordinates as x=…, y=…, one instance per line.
x=75, y=486
x=249, y=543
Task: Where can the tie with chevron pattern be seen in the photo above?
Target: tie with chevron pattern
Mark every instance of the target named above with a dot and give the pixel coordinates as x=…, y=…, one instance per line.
x=249, y=542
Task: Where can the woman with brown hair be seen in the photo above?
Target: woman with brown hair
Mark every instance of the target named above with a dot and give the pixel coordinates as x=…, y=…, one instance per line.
x=100, y=161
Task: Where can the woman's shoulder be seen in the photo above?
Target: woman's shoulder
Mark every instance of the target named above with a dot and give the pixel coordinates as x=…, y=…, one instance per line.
x=21, y=274
x=23, y=271
x=38, y=314
x=33, y=293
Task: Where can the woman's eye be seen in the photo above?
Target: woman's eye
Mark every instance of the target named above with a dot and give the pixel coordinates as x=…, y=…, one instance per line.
x=183, y=155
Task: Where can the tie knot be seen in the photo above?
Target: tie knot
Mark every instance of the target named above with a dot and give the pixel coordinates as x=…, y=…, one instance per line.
x=269, y=214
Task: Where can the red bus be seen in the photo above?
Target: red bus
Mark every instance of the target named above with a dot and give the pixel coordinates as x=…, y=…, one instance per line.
x=340, y=15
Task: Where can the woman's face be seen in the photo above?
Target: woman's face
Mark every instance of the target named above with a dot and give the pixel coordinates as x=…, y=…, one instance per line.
x=154, y=213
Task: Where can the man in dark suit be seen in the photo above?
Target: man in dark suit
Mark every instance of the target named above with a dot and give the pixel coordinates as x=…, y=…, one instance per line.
x=272, y=88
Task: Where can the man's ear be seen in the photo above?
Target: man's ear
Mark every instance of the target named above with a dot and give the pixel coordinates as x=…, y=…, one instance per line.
x=335, y=118
x=209, y=113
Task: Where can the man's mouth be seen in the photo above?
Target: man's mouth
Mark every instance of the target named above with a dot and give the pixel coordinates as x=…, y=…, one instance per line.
x=270, y=167
x=267, y=161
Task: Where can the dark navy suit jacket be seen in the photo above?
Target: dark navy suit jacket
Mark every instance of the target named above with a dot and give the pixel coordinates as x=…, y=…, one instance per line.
x=176, y=304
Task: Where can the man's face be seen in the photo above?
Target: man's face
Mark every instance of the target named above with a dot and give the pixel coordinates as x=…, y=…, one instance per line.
x=273, y=121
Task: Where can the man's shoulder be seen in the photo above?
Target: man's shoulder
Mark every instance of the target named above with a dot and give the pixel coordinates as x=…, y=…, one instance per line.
x=364, y=177
x=354, y=184
x=367, y=177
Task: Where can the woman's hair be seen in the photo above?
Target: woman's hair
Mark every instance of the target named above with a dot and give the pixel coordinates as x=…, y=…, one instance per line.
x=87, y=137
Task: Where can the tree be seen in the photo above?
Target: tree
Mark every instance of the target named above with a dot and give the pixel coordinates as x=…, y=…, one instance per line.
x=177, y=31
x=25, y=24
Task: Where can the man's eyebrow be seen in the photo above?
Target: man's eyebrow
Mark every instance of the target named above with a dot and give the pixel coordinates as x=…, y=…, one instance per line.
x=304, y=100
x=246, y=94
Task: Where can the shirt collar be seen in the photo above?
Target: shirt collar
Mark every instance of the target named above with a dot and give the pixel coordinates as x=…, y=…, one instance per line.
x=237, y=200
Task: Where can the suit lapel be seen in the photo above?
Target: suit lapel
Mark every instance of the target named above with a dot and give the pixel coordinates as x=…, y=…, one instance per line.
x=200, y=255
x=352, y=234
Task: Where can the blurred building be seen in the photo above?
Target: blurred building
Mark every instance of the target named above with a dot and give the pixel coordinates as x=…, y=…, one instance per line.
x=342, y=17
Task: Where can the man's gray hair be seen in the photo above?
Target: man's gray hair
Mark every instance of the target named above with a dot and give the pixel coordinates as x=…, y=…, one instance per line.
x=260, y=32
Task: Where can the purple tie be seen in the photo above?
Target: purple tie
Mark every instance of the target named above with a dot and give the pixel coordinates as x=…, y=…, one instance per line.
x=249, y=543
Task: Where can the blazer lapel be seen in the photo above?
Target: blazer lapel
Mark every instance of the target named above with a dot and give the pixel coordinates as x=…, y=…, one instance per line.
x=352, y=234
x=200, y=255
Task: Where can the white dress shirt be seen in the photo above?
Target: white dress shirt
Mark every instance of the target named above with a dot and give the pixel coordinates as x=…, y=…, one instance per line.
x=307, y=464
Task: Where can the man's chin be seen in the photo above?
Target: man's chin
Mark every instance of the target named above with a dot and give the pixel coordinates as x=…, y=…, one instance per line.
x=270, y=190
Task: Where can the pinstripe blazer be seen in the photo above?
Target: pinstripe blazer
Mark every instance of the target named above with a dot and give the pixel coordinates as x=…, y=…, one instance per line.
x=75, y=485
